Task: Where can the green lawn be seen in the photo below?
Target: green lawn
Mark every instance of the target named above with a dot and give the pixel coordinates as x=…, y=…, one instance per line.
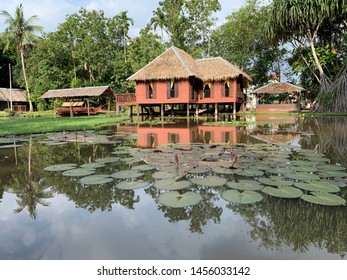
x=46, y=122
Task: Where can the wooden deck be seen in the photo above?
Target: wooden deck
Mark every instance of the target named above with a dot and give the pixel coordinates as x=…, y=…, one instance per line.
x=277, y=108
x=126, y=99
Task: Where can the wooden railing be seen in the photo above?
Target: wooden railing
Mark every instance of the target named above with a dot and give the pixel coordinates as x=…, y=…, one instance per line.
x=126, y=99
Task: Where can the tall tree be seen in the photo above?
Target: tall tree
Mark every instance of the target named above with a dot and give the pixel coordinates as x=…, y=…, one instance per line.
x=21, y=32
x=188, y=23
x=124, y=24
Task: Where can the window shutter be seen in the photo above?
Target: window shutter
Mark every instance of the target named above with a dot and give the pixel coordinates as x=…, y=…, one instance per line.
x=154, y=88
x=168, y=88
x=176, y=88
x=223, y=89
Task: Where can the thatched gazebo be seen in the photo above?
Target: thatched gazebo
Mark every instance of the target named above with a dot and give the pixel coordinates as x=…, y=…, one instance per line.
x=285, y=97
x=77, y=99
x=14, y=97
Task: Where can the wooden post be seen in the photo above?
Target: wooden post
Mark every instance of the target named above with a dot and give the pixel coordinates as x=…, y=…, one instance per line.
x=131, y=110
x=162, y=110
x=71, y=113
x=88, y=107
x=234, y=108
x=216, y=109
x=138, y=111
x=197, y=110
x=187, y=110
x=54, y=107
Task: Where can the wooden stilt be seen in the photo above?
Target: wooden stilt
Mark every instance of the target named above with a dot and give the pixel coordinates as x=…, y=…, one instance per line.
x=88, y=107
x=234, y=108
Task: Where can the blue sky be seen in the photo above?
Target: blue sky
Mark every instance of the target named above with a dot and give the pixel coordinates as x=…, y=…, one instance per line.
x=53, y=12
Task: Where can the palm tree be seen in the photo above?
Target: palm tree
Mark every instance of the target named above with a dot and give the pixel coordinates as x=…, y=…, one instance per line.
x=125, y=23
x=21, y=32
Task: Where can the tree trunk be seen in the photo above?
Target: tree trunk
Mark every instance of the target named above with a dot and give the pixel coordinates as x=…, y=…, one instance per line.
x=26, y=80
x=316, y=60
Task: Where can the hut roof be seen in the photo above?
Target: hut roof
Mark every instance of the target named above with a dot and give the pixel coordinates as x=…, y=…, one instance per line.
x=101, y=91
x=278, y=87
x=174, y=63
x=218, y=69
x=17, y=95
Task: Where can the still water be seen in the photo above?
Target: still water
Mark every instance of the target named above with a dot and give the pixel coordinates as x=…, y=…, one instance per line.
x=47, y=215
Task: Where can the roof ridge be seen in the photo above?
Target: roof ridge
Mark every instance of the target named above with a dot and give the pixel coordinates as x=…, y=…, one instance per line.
x=182, y=60
x=79, y=88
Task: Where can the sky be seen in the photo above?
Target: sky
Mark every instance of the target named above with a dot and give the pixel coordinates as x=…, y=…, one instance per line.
x=53, y=12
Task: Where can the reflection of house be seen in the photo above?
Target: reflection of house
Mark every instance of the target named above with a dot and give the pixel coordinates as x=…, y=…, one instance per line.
x=156, y=136
x=77, y=99
x=174, y=82
x=278, y=97
x=17, y=96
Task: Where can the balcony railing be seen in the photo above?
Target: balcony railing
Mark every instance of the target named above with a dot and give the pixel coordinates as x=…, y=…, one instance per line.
x=126, y=99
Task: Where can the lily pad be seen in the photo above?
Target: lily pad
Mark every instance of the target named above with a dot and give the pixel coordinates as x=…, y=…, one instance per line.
x=333, y=174
x=199, y=170
x=93, y=165
x=163, y=175
x=245, y=197
x=251, y=173
x=61, y=167
x=143, y=167
x=131, y=185
x=275, y=182
x=209, y=181
x=171, y=184
x=283, y=192
x=127, y=174
x=108, y=159
x=96, y=179
x=176, y=200
x=245, y=185
x=302, y=176
x=225, y=171
x=326, y=199
x=318, y=186
x=78, y=172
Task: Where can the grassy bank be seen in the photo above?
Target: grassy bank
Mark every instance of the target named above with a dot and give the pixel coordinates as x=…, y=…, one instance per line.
x=40, y=123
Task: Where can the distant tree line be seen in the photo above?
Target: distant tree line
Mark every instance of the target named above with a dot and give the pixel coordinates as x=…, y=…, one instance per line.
x=305, y=39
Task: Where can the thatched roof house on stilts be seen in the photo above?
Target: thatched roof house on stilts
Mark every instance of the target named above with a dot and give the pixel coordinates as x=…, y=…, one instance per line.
x=175, y=82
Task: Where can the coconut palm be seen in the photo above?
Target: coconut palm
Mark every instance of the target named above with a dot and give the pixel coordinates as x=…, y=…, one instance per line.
x=21, y=33
x=125, y=23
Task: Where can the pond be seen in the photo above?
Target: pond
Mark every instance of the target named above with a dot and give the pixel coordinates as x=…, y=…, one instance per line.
x=179, y=190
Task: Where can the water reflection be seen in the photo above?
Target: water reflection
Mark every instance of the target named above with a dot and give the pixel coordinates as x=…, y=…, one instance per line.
x=272, y=224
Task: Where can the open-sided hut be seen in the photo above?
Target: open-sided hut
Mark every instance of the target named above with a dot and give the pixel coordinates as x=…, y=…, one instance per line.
x=175, y=80
x=15, y=96
x=278, y=97
x=75, y=101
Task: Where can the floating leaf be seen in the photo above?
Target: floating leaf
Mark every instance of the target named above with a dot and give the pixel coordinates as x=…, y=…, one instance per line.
x=244, y=197
x=209, y=181
x=126, y=174
x=93, y=165
x=326, y=199
x=61, y=167
x=275, y=182
x=199, y=170
x=163, y=175
x=283, y=192
x=225, y=171
x=251, y=173
x=333, y=174
x=96, y=179
x=78, y=172
x=171, y=184
x=304, y=168
x=143, y=167
x=131, y=185
x=176, y=200
x=318, y=186
x=244, y=185
x=108, y=159
x=302, y=176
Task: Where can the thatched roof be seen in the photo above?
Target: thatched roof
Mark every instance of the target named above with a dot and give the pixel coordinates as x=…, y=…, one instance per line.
x=102, y=91
x=277, y=88
x=17, y=95
x=171, y=64
x=175, y=63
x=218, y=69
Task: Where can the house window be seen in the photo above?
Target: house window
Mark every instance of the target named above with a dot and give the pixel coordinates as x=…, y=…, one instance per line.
x=150, y=90
x=207, y=91
x=172, y=89
x=226, y=90
x=173, y=138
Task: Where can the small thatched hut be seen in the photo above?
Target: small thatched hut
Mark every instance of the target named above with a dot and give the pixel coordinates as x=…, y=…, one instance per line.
x=76, y=100
x=15, y=96
x=175, y=79
x=278, y=97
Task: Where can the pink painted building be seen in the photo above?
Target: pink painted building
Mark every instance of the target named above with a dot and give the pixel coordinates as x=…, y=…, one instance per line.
x=175, y=82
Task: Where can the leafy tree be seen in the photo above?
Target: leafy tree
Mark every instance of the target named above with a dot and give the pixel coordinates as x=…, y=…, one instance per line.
x=21, y=33
x=241, y=40
x=124, y=23
x=187, y=23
